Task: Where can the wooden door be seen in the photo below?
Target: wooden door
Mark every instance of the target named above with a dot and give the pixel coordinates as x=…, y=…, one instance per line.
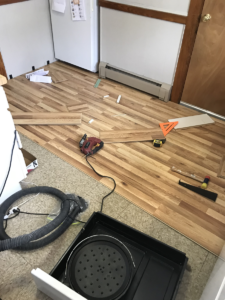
x=205, y=82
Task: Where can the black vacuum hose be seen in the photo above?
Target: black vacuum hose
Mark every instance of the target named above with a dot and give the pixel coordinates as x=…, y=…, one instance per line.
x=28, y=241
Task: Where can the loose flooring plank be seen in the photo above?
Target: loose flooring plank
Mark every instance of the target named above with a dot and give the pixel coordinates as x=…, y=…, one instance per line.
x=57, y=77
x=221, y=172
x=142, y=172
x=47, y=121
x=78, y=108
x=57, y=115
x=47, y=118
x=124, y=136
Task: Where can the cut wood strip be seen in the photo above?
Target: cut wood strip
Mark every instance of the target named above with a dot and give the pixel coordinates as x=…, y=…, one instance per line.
x=57, y=77
x=123, y=136
x=47, y=118
x=221, y=172
x=78, y=108
x=198, y=120
x=47, y=121
x=47, y=115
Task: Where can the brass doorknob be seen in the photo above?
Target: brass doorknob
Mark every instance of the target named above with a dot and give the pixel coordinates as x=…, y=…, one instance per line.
x=206, y=18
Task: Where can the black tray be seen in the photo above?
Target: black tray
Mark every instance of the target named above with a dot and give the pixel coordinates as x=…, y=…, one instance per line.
x=159, y=267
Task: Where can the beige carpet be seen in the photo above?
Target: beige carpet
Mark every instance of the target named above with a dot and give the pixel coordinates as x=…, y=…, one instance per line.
x=15, y=266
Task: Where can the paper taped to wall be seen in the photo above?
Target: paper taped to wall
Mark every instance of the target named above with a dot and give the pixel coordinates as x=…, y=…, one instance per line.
x=59, y=5
x=41, y=72
x=78, y=10
x=39, y=78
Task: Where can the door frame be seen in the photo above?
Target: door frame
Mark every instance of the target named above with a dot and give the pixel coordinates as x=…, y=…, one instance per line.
x=190, y=33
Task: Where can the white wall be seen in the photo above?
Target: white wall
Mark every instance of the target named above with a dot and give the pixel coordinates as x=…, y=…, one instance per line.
x=179, y=7
x=146, y=46
x=25, y=36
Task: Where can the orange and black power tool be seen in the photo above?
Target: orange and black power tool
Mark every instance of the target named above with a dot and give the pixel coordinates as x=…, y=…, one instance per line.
x=90, y=146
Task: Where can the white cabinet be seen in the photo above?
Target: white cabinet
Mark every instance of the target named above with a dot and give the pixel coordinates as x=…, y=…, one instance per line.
x=18, y=168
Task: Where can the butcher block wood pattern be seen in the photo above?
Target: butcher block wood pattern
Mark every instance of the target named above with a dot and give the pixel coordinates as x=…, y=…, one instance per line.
x=142, y=172
x=134, y=135
x=46, y=118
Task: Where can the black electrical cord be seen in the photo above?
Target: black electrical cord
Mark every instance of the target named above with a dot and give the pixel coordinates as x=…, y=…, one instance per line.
x=18, y=211
x=102, y=177
x=6, y=220
x=10, y=164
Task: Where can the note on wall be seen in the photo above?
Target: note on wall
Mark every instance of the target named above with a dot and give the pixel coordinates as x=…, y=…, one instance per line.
x=78, y=10
x=59, y=5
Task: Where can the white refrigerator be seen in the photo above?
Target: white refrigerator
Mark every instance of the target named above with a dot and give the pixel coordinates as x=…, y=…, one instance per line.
x=77, y=42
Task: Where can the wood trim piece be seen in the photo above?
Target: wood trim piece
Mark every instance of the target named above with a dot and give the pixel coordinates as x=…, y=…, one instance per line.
x=5, y=2
x=193, y=19
x=144, y=12
x=2, y=67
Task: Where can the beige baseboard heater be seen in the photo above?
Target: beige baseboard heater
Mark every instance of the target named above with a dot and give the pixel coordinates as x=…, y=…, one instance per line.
x=155, y=88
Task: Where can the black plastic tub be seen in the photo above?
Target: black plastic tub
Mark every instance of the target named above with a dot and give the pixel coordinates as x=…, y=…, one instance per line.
x=159, y=267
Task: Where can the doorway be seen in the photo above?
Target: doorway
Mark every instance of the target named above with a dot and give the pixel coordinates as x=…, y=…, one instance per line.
x=205, y=83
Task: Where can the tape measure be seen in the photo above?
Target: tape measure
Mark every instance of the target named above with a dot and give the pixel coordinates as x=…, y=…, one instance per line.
x=159, y=143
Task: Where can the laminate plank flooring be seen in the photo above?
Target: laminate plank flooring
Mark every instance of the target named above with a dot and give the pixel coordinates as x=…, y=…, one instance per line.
x=142, y=173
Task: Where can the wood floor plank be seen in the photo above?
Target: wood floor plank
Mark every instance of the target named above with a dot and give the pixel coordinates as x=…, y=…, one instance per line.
x=57, y=77
x=78, y=108
x=141, y=171
x=47, y=121
x=30, y=135
x=26, y=87
x=53, y=105
x=131, y=135
x=205, y=238
x=53, y=118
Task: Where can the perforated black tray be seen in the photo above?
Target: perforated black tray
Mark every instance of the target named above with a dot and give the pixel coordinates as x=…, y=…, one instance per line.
x=159, y=267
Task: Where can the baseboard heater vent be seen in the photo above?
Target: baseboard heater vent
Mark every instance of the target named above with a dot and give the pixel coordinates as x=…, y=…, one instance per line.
x=156, y=88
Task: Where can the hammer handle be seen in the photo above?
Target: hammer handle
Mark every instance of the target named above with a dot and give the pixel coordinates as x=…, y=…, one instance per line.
x=193, y=176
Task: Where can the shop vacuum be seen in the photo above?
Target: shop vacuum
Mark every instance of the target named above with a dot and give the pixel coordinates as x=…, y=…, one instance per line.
x=109, y=260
